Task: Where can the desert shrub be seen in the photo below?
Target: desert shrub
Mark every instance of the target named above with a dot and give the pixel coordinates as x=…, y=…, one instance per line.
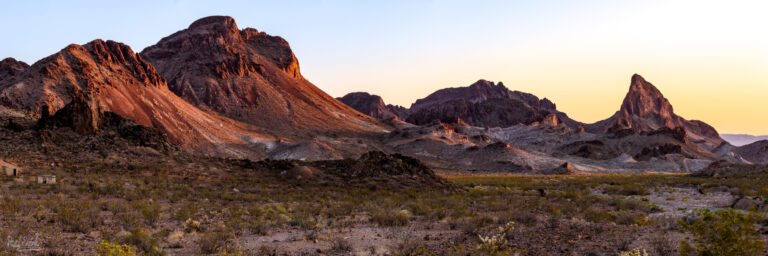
x=144, y=242
x=496, y=242
x=106, y=248
x=218, y=240
x=417, y=251
x=191, y=226
x=635, y=252
x=77, y=216
x=340, y=244
x=662, y=244
x=186, y=211
x=149, y=210
x=390, y=218
x=627, y=189
x=724, y=232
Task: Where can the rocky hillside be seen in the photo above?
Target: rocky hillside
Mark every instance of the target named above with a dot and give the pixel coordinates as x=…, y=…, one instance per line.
x=756, y=152
x=120, y=81
x=373, y=105
x=483, y=104
x=645, y=109
x=249, y=76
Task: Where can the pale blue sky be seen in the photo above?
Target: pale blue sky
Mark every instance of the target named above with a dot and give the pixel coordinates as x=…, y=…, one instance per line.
x=580, y=54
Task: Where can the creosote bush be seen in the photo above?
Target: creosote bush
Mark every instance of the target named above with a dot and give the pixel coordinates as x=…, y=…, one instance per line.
x=722, y=233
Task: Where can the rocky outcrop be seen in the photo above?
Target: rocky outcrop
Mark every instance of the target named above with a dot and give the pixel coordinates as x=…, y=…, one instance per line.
x=10, y=67
x=373, y=105
x=484, y=104
x=249, y=76
x=84, y=115
x=643, y=146
x=480, y=91
x=645, y=109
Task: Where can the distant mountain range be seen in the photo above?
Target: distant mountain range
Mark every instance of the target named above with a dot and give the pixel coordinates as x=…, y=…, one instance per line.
x=743, y=139
x=216, y=89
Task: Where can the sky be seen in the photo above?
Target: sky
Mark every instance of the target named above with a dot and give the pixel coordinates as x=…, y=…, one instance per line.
x=709, y=58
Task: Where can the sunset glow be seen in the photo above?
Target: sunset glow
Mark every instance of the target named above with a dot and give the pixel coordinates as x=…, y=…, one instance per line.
x=709, y=58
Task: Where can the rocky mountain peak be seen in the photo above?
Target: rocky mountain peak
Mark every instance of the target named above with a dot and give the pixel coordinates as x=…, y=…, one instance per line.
x=249, y=76
x=646, y=109
x=215, y=23
x=373, y=105
x=115, y=53
x=645, y=100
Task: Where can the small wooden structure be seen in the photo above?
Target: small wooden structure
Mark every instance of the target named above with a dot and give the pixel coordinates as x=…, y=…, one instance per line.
x=10, y=169
x=46, y=179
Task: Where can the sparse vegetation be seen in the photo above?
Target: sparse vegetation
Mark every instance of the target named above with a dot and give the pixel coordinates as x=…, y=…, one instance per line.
x=165, y=212
x=724, y=232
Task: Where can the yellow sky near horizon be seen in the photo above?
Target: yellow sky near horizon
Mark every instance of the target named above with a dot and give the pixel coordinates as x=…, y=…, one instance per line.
x=709, y=58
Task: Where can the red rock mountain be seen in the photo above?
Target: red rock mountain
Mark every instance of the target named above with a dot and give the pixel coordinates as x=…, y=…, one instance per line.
x=373, y=105
x=484, y=103
x=646, y=109
x=121, y=82
x=249, y=76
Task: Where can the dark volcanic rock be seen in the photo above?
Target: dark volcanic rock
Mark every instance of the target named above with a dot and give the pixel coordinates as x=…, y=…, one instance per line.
x=9, y=67
x=250, y=76
x=85, y=117
x=484, y=104
x=756, y=152
x=724, y=169
x=658, y=151
x=373, y=105
x=494, y=112
x=645, y=109
x=378, y=169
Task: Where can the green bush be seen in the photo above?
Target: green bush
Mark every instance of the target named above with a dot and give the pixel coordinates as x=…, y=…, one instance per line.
x=106, y=248
x=145, y=242
x=722, y=233
x=149, y=209
x=218, y=240
x=390, y=219
x=78, y=216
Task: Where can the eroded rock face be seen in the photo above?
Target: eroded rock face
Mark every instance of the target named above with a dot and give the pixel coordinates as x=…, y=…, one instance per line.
x=84, y=116
x=373, y=105
x=54, y=80
x=646, y=109
x=115, y=79
x=250, y=76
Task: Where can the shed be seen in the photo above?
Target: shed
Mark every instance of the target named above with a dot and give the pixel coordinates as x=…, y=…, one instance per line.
x=10, y=169
x=46, y=179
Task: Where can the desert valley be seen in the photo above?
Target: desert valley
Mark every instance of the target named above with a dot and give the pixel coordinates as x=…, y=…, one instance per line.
x=211, y=141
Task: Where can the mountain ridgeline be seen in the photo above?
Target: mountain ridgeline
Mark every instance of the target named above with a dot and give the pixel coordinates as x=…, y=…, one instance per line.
x=215, y=89
x=251, y=77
